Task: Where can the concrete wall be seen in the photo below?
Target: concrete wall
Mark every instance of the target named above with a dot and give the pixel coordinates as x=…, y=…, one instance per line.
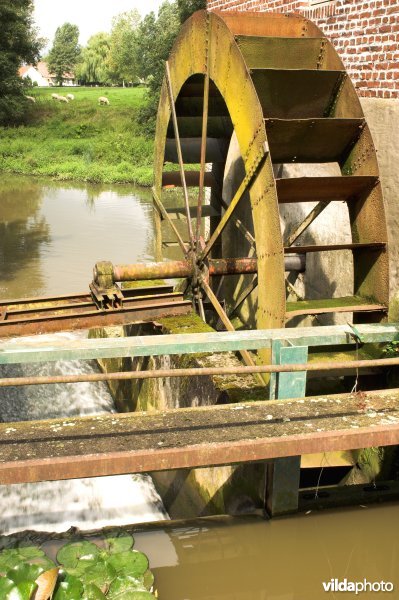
x=383, y=118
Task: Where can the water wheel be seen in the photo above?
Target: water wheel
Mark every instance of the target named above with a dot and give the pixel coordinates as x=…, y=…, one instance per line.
x=278, y=85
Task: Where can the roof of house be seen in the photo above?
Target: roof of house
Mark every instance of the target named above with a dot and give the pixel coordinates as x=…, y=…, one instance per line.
x=24, y=69
x=42, y=68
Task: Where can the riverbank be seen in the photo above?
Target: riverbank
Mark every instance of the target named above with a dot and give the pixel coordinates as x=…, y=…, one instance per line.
x=81, y=140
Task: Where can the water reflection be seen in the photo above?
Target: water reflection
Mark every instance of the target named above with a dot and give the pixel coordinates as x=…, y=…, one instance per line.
x=23, y=231
x=283, y=559
x=53, y=233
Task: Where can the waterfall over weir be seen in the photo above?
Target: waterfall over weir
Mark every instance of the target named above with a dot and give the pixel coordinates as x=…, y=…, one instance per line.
x=83, y=503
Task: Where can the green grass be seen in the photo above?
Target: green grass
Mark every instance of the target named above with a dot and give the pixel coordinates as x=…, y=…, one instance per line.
x=81, y=140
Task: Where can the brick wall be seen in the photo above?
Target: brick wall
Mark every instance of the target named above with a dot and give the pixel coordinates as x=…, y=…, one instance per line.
x=365, y=34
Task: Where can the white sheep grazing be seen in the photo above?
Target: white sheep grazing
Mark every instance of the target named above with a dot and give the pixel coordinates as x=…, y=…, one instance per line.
x=31, y=99
x=103, y=100
x=62, y=99
x=70, y=97
x=55, y=96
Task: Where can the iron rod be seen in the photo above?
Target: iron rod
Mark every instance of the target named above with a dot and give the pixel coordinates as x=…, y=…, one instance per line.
x=200, y=372
x=203, y=151
x=179, y=154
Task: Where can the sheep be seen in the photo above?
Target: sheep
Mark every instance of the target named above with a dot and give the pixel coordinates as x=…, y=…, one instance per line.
x=103, y=100
x=70, y=97
x=55, y=96
x=31, y=99
x=62, y=99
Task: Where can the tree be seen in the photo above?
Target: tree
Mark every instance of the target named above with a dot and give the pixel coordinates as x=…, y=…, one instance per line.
x=18, y=43
x=187, y=7
x=93, y=65
x=64, y=55
x=121, y=57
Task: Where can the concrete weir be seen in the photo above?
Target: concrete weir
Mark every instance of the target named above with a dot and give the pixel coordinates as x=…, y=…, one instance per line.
x=202, y=491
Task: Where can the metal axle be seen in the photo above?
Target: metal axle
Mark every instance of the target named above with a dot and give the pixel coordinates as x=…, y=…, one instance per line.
x=106, y=274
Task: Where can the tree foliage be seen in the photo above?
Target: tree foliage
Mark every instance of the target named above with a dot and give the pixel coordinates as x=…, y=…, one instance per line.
x=121, y=57
x=64, y=55
x=18, y=44
x=93, y=65
x=187, y=7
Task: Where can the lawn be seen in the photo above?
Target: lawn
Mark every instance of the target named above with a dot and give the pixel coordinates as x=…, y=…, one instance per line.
x=81, y=140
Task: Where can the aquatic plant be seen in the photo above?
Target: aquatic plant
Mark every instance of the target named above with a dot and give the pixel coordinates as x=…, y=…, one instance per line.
x=108, y=569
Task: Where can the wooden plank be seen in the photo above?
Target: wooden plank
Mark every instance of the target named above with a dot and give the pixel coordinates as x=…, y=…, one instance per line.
x=20, y=350
x=113, y=444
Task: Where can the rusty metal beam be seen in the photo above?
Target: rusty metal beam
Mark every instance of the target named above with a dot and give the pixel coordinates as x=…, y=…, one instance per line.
x=195, y=437
x=185, y=268
x=44, y=316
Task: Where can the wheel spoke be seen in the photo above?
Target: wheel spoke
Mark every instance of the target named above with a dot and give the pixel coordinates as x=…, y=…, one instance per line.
x=245, y=184
x=314, y=213
x=244, y=295
x=247, y=358
x=203, y=151
x=179, y=154
x=166, y=216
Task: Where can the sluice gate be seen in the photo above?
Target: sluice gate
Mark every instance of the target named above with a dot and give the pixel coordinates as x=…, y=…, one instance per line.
x=244, y=95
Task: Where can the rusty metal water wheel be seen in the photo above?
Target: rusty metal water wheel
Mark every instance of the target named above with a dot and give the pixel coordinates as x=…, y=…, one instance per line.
x=279, y=85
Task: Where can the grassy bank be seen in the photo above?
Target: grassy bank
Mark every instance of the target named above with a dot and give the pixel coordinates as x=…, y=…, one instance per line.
x=81, y=140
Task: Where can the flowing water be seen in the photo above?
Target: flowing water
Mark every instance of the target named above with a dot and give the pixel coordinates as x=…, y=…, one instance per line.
x=50, y=237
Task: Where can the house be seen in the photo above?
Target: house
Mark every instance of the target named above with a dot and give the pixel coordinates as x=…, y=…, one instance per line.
x=40, y=75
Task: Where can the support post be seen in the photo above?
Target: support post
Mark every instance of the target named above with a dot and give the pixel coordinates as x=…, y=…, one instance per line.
x=282, y=474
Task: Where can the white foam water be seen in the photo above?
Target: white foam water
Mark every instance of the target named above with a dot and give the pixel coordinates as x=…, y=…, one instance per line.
x=83, y=503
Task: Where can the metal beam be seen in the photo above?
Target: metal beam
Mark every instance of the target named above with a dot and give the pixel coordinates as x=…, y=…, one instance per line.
x=185, y=438
x=28, y=351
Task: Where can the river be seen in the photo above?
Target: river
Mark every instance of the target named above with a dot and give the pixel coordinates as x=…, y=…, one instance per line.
x=51, y=236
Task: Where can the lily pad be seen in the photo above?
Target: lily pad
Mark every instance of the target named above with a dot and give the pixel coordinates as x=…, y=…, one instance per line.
x=30, y=551
x=5, y=586
x=92, y=592
x=132, y=563
x=148, y=579
x=128, y=588
x=69, y=589
x=41, y=561
x=24, y=572
x=102, y=573
x=22, y=591
x=9, y=558
x=118, y=542
x=70, y=554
